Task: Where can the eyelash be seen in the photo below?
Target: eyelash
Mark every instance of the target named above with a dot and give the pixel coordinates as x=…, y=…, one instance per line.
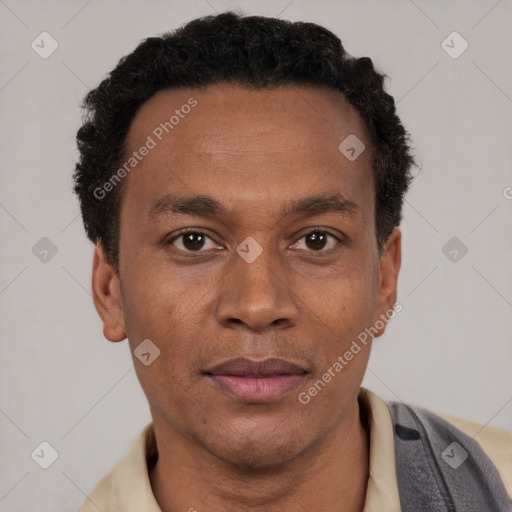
x=195, y=231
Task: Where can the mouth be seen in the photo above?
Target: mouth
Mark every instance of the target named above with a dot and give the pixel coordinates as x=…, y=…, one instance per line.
x=256, y=381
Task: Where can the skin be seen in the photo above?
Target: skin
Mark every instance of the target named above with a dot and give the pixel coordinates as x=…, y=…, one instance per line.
x=254, y=152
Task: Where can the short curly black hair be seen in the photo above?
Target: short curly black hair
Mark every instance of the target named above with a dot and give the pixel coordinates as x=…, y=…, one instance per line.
x=249, y=51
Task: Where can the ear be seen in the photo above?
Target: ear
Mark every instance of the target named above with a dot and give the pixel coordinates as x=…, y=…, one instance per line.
x=106, y=293
x=390, y=261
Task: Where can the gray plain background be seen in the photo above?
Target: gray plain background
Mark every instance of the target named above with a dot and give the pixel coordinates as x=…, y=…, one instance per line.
x=449, y=349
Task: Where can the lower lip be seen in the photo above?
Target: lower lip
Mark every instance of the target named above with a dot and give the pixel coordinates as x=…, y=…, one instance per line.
x=258, y=389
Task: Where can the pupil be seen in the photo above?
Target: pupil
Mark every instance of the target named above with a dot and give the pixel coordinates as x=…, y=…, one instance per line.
x=318, y=240
x=193, y=241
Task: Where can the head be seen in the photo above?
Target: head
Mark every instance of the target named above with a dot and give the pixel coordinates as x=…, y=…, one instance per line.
x=242, y=179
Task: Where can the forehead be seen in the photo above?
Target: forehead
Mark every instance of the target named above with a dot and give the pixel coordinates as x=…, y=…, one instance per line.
x=228, y=113
x=253, y=144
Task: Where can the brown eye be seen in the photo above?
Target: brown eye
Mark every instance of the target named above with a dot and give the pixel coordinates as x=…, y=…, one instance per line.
x=194, y=241
x=316, y=240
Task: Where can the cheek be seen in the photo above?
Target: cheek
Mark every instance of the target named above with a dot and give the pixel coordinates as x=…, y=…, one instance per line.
x=155, y=298
x=346, y=301
x=166, y=381
x=342, y=352
x=165, y=308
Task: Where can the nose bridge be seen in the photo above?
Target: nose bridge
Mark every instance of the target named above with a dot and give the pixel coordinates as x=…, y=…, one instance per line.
x=256, y=290
x=261, y=272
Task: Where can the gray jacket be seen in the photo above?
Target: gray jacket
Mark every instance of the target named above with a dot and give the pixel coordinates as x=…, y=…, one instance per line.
x=441, y=469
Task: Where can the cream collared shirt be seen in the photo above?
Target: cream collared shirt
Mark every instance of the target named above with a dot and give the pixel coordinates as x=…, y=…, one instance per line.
x=126, y=488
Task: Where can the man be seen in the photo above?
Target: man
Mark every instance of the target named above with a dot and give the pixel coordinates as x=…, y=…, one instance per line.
x=242, y=179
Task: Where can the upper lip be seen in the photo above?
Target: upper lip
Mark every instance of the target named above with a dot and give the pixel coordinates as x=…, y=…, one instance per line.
x=242, y=366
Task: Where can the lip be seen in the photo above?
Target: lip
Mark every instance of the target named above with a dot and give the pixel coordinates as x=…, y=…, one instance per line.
x=256, y=381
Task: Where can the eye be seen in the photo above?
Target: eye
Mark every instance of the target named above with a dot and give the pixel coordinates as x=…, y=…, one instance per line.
x=319, y=241
x=193, y=241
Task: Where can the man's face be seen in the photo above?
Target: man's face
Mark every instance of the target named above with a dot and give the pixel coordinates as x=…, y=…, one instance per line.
x=269, y=173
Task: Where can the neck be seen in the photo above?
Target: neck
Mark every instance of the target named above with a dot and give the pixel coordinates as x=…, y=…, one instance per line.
x=332, y=475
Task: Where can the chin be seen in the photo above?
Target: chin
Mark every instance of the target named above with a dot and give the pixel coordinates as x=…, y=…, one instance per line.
x=254, y=458
x=257, y=450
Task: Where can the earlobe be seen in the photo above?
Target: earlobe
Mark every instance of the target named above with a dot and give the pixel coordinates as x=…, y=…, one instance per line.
x=106, y=293
x=389, y=267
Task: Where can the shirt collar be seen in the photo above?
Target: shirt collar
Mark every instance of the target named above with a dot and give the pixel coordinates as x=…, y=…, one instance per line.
x=127, y=487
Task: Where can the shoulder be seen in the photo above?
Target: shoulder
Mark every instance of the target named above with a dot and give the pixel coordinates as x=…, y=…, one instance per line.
x=495, y=442
x=127, y=487
x=422, y=438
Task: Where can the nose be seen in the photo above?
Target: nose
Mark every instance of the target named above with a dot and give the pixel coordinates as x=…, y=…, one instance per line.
x=257, y=295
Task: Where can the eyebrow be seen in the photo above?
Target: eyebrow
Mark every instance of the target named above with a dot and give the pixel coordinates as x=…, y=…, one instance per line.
x=193, y=205
x=204, y=205
x=315, y=205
